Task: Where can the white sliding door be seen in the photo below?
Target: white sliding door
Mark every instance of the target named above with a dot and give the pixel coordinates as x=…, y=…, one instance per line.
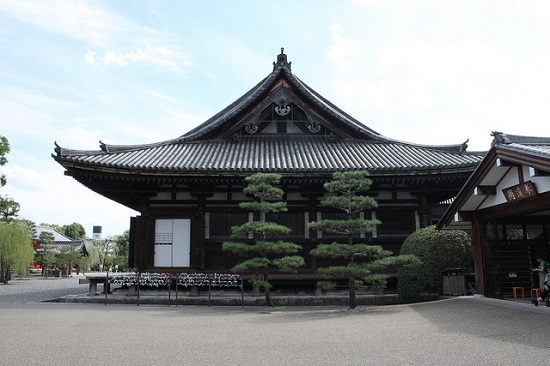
x=172, y=242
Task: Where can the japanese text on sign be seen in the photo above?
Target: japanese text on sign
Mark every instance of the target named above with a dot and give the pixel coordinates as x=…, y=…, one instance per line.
x=520, y=192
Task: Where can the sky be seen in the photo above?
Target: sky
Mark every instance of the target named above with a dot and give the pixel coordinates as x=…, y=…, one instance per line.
x=133, y=72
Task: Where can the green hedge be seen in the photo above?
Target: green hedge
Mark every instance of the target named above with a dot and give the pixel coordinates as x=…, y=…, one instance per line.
x=437, y=249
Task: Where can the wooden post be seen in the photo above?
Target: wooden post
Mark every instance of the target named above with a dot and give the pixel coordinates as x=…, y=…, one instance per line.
x=209, y=289
x=169, y=289
x=106, y=286
x=242, y=292
x=477, y=245
x=177, y=281
x=138, y=282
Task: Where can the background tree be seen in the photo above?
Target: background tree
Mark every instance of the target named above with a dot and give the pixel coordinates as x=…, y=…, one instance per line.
x=356, y=262
x=74, y=231
x=47, y=251
x=31, y=225
x=122, y=245
x=87, y=262
x=9, y=208
x=4, y=150
x=437, y=249
x=16, y=250
x=69, y=256
x=15, y=236
x=263, y=254
x=105, y=249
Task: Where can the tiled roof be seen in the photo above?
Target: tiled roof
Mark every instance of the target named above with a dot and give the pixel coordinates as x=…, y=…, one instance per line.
x=58, y=237
x=281, y=70
x=281, y=153
x=532, y=145
x=209, y=148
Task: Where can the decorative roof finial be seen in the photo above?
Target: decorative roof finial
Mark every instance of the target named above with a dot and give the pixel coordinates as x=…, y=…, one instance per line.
x=499, y=138
x=282, y=61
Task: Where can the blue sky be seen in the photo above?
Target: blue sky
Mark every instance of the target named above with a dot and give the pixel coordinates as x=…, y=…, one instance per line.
x=132, y=72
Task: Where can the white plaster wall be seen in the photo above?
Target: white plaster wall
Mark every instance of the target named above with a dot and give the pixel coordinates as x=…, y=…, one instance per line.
x=542, y=184
x=510, y=179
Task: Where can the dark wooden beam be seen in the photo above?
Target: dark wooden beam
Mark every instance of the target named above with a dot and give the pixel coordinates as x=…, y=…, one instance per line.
x=485, y=190
x=510, y=209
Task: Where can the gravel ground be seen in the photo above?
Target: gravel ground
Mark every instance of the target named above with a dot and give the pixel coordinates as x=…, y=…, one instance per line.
x=36, y=288
x=460, y=331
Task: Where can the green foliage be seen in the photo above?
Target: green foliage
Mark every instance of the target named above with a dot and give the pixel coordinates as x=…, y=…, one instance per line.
x=348, y=188
x=259, y=228
x=9, y=209
x=268, y=207
x=74, y=231
x=252, y=264
x=350, y=181
x=437, y=249
x=122, y=245
x=68, y=256
x=358, y=261
x=261, y=283
x=46, y=237
x=16, y=250
x=31, y=226
x=263, y=254
x=350, y=205
x=346, y=227
x=4, y=150
x=46, y=252
x=86, y=263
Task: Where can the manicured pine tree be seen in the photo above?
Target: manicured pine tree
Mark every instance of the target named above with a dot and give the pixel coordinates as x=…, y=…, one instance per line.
x=360, y=260
x=263, y=251
x=47, y=251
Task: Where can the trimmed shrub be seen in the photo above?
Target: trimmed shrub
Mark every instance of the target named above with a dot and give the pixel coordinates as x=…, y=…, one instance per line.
x=437, y=249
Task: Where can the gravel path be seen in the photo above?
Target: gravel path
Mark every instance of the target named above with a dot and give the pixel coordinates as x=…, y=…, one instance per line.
x=461, y=331
x=36, y=288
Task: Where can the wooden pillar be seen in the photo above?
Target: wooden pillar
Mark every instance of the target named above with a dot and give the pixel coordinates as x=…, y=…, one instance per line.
x=477, y=246
x=198, y=259
x=143, y=242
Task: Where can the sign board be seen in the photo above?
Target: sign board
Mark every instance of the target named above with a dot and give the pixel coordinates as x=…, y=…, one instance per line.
x=520, y=192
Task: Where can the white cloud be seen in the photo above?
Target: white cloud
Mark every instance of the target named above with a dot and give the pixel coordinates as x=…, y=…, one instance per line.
x=26, y=178
x=342, y=49
x=163, y=56
x=74, y=19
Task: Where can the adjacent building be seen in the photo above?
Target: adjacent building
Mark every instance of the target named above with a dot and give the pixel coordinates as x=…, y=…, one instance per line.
x=506, y=204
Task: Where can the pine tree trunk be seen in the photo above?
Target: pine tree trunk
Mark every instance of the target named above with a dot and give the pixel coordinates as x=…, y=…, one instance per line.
x=268, y=299
x=352, y=304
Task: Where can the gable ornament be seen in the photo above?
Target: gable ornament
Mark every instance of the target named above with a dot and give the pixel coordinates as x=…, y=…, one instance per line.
x=282, y=107
x=314, y=126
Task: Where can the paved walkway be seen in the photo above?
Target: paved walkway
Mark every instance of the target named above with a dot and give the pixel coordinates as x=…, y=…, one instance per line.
x=458, y=331
x=36, y=288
